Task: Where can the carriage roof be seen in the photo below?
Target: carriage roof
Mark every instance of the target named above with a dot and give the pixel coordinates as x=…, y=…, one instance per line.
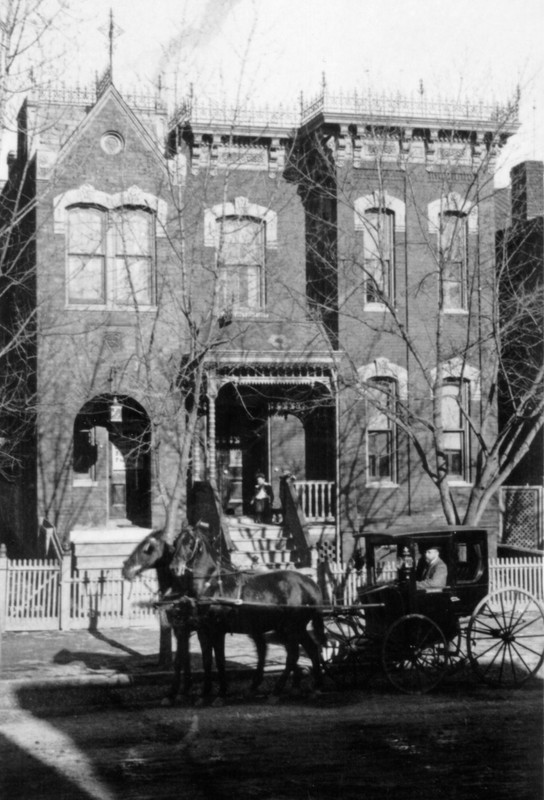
x=440, y=533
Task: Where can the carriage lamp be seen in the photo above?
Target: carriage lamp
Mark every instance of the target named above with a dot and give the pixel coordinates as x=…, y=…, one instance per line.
x=406, y=565
x=116, y=411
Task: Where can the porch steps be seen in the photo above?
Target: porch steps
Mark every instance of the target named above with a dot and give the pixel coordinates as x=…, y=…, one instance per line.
x=260, y=545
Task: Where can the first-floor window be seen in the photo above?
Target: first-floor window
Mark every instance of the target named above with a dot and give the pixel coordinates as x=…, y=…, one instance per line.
x=381, y=433
x=454, y=399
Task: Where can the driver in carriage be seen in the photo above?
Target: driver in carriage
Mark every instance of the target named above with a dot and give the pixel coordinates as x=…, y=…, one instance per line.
x=434, y=572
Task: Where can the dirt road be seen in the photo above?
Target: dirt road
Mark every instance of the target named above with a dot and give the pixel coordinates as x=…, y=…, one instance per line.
x=463, y=743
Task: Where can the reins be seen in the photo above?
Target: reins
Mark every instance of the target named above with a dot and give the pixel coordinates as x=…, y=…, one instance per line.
x=218, y=572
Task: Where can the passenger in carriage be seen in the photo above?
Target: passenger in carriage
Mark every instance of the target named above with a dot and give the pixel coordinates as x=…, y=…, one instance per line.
x=435, y=573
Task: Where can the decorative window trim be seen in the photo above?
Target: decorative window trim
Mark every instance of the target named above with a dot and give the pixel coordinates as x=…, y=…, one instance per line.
x=88, y=195
x=452, y=202
x=241, y=207
x=383, y=368
x=380, y=200
x=458, y=369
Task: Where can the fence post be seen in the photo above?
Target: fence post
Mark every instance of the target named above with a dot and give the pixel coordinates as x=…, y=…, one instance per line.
x=3, y=587
x=65, y=585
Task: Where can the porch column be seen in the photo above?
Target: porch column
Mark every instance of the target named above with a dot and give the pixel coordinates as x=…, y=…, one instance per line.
x=212, y=454
x=196, y=454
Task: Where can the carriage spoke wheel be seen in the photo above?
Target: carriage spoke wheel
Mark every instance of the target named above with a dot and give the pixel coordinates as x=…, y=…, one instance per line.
x=415, y=654
x=505, y=638
x=343, y=657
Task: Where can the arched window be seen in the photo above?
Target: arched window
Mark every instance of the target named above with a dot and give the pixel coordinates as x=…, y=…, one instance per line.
x=457, y=388
x=380, y=217
x=240, y=263
x=381, y=400
x=452, y=218
x=453, y=241
x=110, y=256
x=134, y=246
x=379, y=256
x=455, y=410
x=110, y=245
x=87, y=256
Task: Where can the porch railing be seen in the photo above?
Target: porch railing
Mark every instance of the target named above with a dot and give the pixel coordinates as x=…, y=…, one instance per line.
x=317, y=500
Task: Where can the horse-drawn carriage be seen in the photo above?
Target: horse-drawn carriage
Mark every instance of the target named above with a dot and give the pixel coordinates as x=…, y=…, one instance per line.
x=415, y=633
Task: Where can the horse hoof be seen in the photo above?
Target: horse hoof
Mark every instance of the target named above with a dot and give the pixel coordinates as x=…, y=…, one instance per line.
x=167, y=702
x=219, y=702
x=273, y=699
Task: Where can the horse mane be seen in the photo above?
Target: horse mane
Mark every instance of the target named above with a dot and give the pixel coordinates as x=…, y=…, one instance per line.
x=219, y=554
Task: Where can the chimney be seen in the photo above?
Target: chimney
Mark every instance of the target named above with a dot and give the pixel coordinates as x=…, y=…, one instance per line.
x=527, y=190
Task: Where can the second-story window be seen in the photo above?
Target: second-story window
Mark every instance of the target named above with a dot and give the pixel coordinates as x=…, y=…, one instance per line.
x=379, y=256
x=87, y=256
x=381, y=430
x=453, y=261
x=240, y=262
x=110, y=257
x=133, y=257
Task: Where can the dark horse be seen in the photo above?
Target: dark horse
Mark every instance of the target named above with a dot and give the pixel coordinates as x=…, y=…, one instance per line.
x=156, y=552
x=233, y=601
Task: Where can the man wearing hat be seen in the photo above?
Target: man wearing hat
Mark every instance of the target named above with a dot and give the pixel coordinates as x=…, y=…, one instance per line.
x=435, y=572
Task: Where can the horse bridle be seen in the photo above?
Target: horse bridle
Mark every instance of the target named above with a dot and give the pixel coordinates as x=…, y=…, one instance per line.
x=197, y=545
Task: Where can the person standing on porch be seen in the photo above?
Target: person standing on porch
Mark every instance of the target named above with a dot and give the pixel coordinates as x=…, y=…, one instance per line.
x=263, y=497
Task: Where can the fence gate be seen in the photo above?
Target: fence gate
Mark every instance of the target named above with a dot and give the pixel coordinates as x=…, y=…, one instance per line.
x=522, y=516
x=32, y=595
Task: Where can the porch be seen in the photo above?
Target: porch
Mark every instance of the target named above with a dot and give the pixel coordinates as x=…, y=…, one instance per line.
x=275, y=417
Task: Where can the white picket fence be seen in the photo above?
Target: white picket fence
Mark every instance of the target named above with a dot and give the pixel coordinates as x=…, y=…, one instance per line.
x=41, y=595
x=44, y=595
x=522, y=573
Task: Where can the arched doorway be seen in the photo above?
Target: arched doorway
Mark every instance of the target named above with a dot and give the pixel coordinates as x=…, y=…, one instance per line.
x=111, y=457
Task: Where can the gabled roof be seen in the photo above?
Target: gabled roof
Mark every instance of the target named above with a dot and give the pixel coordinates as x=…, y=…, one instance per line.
x=110, y=93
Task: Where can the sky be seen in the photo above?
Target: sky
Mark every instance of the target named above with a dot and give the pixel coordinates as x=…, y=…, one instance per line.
x=269, y=51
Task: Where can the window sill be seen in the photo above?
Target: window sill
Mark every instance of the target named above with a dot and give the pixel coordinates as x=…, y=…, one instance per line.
x=93, y=307
x=373, y=307
x=462, y=312
x=83, y=483
x=459, y=482
x=382, y=485
x=249, y=314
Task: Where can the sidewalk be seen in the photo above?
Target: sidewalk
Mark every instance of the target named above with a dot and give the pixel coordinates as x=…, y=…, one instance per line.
x=49, y=661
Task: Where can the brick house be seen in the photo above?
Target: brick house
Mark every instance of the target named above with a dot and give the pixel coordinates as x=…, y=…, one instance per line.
x=293, y=257
x=520, y=256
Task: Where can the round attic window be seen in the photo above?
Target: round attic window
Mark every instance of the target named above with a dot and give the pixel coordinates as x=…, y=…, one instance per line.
x=112, y=143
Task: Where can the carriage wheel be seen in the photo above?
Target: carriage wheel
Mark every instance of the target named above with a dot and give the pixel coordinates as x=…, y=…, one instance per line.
x=343, y=658
x=505, y=638
x=415, y=654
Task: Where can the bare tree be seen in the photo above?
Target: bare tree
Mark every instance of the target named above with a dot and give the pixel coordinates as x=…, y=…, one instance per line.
x=451, y=314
